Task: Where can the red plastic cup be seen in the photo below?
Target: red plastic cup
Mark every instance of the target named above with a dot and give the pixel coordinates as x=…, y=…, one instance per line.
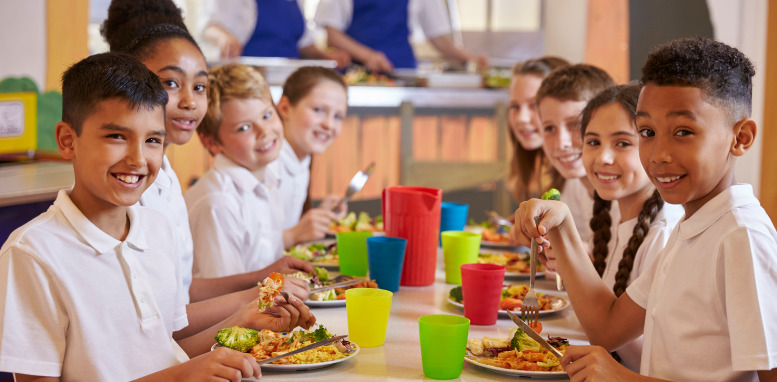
x=481, y=287
x=413, y=213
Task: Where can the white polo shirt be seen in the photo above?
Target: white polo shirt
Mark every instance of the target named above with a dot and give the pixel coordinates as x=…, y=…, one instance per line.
x=709, y=295
x=83, y=306
x=235, y=226
x=294, y=177
x=654, y=242
x=165, y=196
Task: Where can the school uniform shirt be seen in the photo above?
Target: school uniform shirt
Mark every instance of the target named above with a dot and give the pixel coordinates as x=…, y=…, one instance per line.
x=235, y=227
x=709, y=295
x=294, y=177
x=654, y=242
x=264, y=28
x=385, y=25
x=165, y=196
x=80, y=305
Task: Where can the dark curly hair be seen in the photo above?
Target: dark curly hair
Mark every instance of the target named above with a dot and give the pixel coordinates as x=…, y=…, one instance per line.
x=136, y=26
x=108, y=76
x=723, y=73
x=626, y=96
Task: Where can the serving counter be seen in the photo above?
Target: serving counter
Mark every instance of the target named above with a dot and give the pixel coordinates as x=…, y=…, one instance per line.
x=399, y=358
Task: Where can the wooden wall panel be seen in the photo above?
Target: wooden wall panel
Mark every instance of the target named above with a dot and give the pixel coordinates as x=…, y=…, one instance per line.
x=372, y=148
x=453, y=145
x=767, y=132
x=426, y=138
x=481, y=140
x=66, y=37
x=190, y=161
x=607, y=37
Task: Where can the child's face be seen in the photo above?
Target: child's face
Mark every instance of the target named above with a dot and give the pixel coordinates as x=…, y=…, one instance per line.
x=316, y=120
x=182, y=70
x=685, y=144
x=611, y=157
x=562, y=142
x=117, y=155
x=250, y=133
x=523, y=117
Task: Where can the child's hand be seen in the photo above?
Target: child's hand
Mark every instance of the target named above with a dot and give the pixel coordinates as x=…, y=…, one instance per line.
x=553, y=213
x=313, y=225
x=593, y=363
x=330, y=203
x=284, y=316
x=297, y=287
x=288, y=265
x=221, y=363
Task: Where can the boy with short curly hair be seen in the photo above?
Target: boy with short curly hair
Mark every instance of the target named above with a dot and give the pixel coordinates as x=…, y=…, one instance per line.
x=704, y=303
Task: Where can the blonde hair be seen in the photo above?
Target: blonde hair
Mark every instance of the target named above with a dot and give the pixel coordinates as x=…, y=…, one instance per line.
x=227, y=82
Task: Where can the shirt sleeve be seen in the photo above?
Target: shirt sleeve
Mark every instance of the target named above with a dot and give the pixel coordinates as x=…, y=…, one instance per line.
x=432, y=17
x=639, y=290
x=33, y=323
x=651, y=246
x=335, y=14
x=747, y=278
x=217, y=232
x=236, y=16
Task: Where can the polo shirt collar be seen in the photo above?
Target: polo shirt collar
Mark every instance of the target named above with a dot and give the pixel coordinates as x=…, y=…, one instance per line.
x=244, y=180
x=292, y=164
x=735, y=196
x=163, y=178
x=95, y=237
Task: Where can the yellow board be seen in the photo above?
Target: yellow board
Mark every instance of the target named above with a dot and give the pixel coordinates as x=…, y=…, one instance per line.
x=18, y=124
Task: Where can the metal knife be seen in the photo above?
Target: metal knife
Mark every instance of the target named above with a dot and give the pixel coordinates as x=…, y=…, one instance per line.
x=304, y=348
x=531, y=333
x=336, y=285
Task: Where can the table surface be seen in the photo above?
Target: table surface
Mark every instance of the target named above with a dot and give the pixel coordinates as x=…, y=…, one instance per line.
x=31, y=182
x=400, y=356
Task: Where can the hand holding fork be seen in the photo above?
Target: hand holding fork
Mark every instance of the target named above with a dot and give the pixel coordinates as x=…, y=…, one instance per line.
x=530, y=309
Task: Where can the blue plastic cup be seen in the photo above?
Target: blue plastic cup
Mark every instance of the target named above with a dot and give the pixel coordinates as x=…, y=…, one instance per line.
x=453, y=217
x=385, y=256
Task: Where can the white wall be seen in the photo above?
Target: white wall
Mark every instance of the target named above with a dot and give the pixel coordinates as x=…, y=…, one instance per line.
x=742, y=24
x=23, y=41
x=565, y=29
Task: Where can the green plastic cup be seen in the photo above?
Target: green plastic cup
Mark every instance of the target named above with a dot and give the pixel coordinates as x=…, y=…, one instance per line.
x=352, y=251
x=443, y=344
x=367, y=311
x=459, y=247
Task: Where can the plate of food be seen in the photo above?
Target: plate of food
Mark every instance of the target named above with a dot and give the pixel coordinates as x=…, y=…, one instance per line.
x=362, y=223
x=516, y=263
x=335, y=297
x=266, y=343
x=512, y=299
x=491, y=236
x=320, y=254
x=516, y=355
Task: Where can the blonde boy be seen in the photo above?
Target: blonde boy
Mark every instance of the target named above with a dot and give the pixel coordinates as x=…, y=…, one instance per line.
x=234, y=227
x=91, y=289
x=705, y=305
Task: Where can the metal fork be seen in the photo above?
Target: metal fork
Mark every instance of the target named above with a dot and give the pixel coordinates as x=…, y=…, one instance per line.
x=356, y=184
x=498, y=220
x=530, y=308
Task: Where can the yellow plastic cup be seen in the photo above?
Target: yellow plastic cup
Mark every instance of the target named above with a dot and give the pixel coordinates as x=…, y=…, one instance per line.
x=367, y=310
x=458, y=247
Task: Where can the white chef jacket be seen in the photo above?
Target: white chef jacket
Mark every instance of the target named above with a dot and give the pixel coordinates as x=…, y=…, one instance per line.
x=709, y=296
x=654, y=242
x=294, y=177
x=235, y=226
x=83, y=306
x=165, y=196
x=430, y=15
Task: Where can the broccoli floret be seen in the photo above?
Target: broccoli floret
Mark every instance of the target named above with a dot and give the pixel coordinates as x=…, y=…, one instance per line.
x=506, y=293
x=551, y=194
x=523, y=342
x=240, y=339
x=322, y=273
x=319, y=334
x=456, y=294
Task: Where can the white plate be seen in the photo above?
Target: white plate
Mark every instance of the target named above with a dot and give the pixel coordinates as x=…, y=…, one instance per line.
x=325, y=304
x=519, y=373
x=306, y=366
x=560, y=303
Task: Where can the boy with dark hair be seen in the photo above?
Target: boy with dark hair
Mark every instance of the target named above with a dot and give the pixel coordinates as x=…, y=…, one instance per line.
x=91, y=289
x=703, y=304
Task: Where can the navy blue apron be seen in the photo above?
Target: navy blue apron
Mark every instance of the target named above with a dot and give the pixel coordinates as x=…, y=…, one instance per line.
x=383, y=25
x=279, y=26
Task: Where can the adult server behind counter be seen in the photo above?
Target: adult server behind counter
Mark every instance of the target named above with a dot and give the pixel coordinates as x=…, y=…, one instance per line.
x=376, y=32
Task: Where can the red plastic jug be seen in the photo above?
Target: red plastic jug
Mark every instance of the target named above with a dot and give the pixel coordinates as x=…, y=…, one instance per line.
x=413, y=213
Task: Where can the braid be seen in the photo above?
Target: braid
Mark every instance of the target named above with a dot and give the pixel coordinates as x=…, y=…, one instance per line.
x=646, y=216
x=600, y=223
